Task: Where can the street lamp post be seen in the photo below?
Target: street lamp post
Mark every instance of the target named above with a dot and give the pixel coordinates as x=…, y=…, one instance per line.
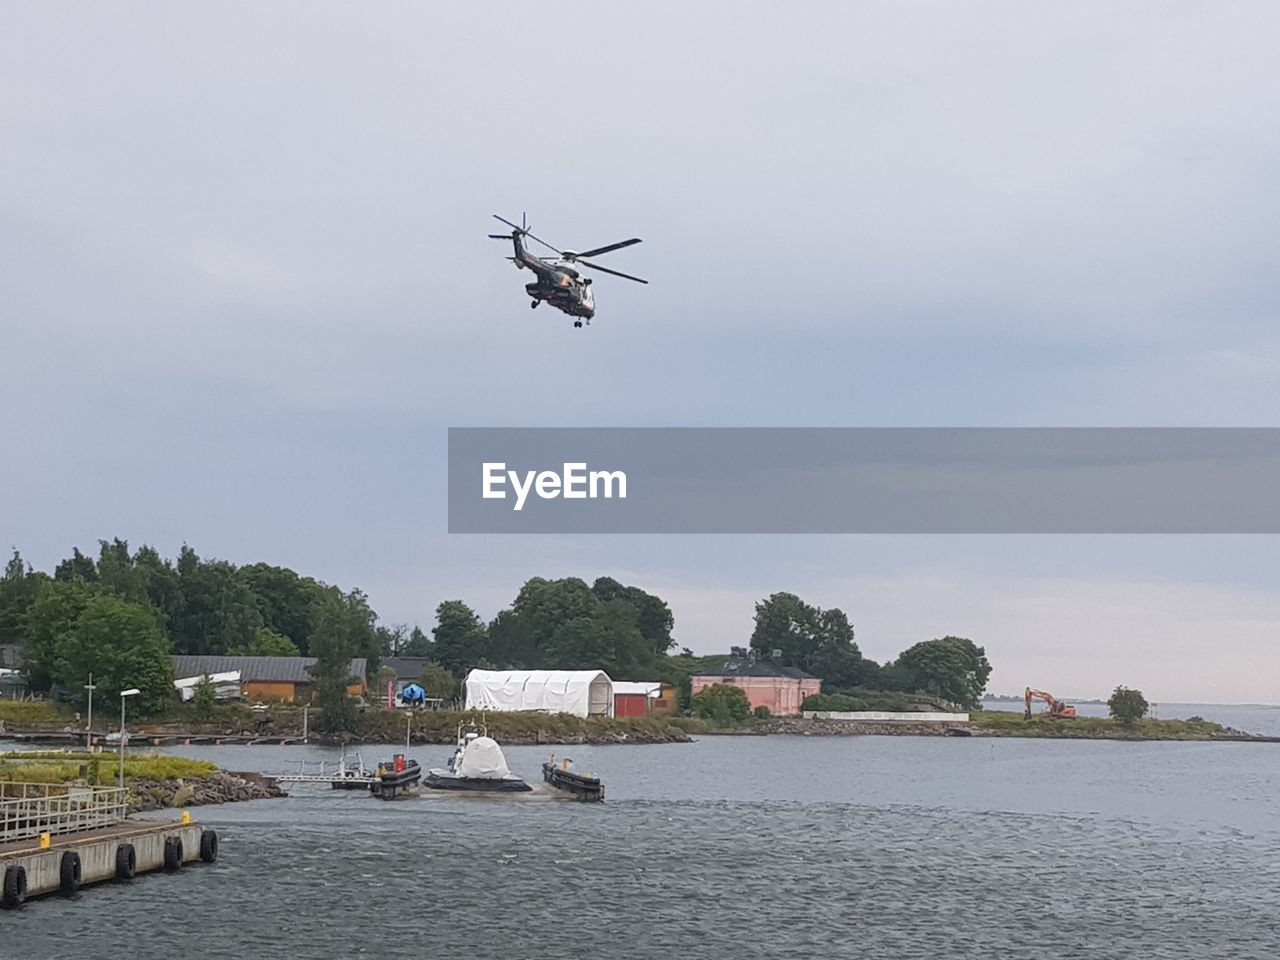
x=88, y=730
x=131, y=692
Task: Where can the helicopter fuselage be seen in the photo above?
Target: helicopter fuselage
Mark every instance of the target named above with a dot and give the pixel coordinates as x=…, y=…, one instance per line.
x=557, y=283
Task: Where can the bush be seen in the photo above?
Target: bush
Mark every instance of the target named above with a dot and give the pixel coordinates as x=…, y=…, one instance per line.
x=833, y=702
x=723, y=703
x=1127, y=706
x=762, y=712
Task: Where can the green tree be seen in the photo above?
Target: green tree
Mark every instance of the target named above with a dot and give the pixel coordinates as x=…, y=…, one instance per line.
x=76, y=567
x=19, y=587
x=161, y=580
x=1127, y=706
x=362, y=624
x=215, y=610
x=418, y=644
x=560, y=617
x=392, y=640
x=122, y=645
x=511, y=641
x=722, y=703
x=51, y=617
x=817, y=641
x=460, y=637
x=564, y=624
x=119, y=573
x=629, y=655
x=204, y=698
x=438, y=682
x=333, y=644
x=952, y=668
x=267, y=643
x=652, y=617
x=286, y=601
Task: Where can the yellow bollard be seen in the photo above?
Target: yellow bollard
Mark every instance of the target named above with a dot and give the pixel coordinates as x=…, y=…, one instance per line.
x=45, y=841
x=186, y=816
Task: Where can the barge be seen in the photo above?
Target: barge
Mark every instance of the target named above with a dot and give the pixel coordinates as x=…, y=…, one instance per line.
x=581, y=786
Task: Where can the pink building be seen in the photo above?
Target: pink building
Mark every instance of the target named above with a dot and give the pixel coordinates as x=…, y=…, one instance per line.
x=766, y=684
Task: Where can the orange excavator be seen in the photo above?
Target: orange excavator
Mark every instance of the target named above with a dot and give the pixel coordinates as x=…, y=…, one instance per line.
x=1057, y=709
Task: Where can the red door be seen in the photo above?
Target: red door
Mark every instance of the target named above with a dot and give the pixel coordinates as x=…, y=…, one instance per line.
x=630, y=705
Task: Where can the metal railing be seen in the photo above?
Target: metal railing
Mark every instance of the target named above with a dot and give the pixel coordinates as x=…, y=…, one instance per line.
x=30, y=809
x=344, y=770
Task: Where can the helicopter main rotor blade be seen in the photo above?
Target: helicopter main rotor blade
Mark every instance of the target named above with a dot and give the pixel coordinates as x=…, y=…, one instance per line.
x=525, y=231
x=613, y=246
x=616, y=273
x=555, y=250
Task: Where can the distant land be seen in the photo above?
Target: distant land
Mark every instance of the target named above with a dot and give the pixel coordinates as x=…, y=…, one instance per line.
x=1020, y=698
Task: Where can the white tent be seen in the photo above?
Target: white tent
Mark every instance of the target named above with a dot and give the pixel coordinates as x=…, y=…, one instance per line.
x=584, y=693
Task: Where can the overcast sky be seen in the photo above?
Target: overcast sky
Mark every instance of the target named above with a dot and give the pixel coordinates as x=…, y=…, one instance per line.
x=245, y=288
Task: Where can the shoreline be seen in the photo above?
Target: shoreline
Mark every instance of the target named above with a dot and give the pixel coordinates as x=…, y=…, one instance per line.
x=439, y=728
x=151, y=781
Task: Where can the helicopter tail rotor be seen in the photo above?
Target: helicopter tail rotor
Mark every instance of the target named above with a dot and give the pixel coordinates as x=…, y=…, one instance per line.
x=522, y=230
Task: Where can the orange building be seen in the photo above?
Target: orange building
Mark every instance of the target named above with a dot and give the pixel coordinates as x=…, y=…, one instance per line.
x=766, y=684
x=268, y=678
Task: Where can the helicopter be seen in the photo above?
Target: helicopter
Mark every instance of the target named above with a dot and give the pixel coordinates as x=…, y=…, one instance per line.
x=559, y=282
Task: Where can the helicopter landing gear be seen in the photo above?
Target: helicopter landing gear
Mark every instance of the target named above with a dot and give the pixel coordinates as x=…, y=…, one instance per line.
x=533, y=304
x=577, y=323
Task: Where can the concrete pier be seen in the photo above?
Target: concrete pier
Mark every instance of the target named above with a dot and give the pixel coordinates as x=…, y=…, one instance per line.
x=59, y=839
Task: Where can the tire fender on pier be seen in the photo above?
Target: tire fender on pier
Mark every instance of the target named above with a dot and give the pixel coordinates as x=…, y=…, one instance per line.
x=69, y=873
x=209, y=846
x=15, y=886
x=126, y=861
x=173, y=853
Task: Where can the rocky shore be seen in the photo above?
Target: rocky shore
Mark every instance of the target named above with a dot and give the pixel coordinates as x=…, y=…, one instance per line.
x=218, y=787
x=798, y=726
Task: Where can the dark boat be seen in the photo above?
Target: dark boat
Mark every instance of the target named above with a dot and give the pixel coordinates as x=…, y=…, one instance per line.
x=583, y=786
x=477, y=766
x=396, y=779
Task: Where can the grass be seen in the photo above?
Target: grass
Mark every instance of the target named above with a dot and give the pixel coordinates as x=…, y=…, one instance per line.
x=34, y=711
x=1006, y=723
x=68, y=766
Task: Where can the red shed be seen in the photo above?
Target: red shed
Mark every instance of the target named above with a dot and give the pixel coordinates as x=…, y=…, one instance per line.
x=634, y=699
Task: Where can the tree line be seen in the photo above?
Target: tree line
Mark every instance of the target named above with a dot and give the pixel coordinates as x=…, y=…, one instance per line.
x=793, y=633
x=121, y=614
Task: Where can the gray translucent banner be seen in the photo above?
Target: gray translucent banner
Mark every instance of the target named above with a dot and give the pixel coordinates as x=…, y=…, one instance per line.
x=890, y=480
